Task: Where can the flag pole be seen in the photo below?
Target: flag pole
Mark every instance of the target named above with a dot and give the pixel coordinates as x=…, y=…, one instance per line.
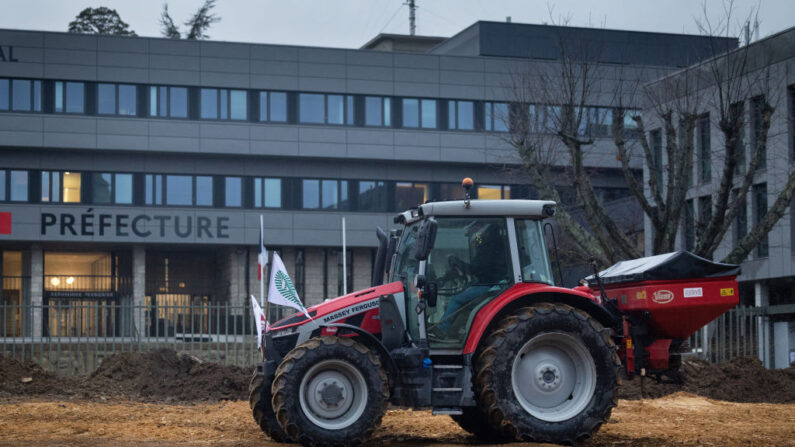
x=262, y=274
x=344, y=260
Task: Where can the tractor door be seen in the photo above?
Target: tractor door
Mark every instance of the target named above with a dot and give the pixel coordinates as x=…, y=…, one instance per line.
x=470, y=264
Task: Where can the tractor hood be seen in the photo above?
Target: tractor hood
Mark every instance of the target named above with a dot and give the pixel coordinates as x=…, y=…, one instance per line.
x=340, y=308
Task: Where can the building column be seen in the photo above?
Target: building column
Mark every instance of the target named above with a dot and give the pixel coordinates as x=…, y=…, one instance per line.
x=35, y=267
x=781, y=344
x=762, y=299
x=139, y=290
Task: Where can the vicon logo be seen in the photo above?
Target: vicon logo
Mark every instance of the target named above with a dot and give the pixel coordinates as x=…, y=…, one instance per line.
x=5, y=223
x=662, y=296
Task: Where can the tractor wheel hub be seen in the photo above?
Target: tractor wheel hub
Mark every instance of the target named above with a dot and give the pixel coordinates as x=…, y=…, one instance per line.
x=548, y=376
x=331, y=393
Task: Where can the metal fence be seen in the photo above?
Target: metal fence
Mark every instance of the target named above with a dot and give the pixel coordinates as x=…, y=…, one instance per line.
x=731, y=335
x=77, y=335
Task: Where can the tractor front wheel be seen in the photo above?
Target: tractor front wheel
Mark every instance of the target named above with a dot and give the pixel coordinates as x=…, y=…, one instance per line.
x=330, y=391
x=259, y=399
x=562, y=374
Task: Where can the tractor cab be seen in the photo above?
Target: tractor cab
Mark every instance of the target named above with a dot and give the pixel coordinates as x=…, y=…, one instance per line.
x=454, y=257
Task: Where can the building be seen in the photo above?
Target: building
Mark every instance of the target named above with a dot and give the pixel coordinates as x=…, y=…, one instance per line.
x=768, y=274
x=133, y=171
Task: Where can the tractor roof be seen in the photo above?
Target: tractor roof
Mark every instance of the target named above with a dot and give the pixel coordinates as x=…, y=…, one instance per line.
x=534, y=209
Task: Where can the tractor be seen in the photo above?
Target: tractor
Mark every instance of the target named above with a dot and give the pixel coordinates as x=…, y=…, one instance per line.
x=470, y=324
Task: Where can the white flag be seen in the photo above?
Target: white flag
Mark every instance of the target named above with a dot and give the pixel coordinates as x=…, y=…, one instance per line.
x=281, y=290
x=259, y=320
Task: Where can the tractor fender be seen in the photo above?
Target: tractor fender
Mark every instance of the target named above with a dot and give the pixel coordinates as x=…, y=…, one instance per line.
x=526, y=294
x=372, y=342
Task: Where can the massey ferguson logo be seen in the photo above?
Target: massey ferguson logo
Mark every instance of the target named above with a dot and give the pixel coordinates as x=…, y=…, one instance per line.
x=662, y=296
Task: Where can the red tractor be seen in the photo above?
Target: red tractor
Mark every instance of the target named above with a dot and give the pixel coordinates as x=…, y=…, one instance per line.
x=471, y=325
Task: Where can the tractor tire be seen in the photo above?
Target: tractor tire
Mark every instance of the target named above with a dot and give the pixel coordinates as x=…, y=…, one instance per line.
x=548, y=373
x=474, y=421
x=330, y=391
x=259, y=399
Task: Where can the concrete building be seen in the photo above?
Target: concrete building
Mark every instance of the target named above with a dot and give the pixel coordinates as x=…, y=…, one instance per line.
x=768, y=274
x=133, y=171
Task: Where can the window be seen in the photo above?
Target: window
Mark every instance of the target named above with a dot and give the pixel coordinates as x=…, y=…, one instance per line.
x=451, y=191
x=461, y=115
x=372, y=196
x=179, y=190
x=268, y=192
x=2, y=185
x=760, y=210
x=630, y=126
x=327, y=194
x=123, y=189
x=116, y=99
x=497, y=116
x=204, y=190
x=689, y=230
x=757, y=107
x=740, y=220
x=704, y=214
x=168, y=101
x=410, y=195
x=791, y=92
x=419, y=113
x=223, y=104
x=533, y=258
x=233, y=192
x=377, y=111
x=20, y=95
x=154, y=189
x=18, y=186
x=655, y=141
x=101, y=187
x=273, y=107
x=70, y=97
x=315, y=108
x=736, y=112
x=494, y=192
x=50, y=186
x=71, y=187
x=600, y=121
x=704, y=149
x=110, y=188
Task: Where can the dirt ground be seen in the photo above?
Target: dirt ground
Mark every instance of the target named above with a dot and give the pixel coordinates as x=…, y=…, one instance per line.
x=680, y=419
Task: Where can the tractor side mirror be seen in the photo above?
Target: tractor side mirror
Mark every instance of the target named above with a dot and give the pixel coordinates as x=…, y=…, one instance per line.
x=425, y=239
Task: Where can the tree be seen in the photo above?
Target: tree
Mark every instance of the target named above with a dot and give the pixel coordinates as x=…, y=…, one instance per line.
x=197, y=25
x=100, y=20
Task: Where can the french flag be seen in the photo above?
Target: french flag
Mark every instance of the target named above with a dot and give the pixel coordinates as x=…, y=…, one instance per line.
x=262, y=259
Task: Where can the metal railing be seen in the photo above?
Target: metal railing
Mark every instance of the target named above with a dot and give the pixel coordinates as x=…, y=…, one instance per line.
x=74, y=337
x=731, y=335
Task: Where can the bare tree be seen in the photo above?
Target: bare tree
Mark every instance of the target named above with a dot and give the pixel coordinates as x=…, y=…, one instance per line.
x=197, y=25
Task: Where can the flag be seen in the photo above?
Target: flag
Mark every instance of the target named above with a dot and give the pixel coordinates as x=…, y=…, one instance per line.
x=281, y=290
x=259, y=320
x=262, y=259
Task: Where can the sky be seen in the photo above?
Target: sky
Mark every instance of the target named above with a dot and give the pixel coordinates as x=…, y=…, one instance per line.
x=351, y=23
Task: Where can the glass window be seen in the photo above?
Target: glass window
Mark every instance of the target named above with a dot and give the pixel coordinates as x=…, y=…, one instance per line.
x=19, y=186
x=127, y=100
x=168, y=101
x=335, y=109
x=59, y=96
x=223, y=107
x=330, y=194
x=75, y=97
x=123, y=189
x=179, y=190
x=496, y=116
x=45, y=186
x=410, y=195
x=489, y=192
x=411, y=112
x=461, y=115
x=233, y=192
x=349, y=107
x=178, y=102
x=2, y=184
x=209, y=103
x=741, y=219
x=273, y=193
x=428, y=113
x=4, y=93
x=311, y=108
x=311, y=194
x=375, y=111
x=154, y=189
x=533, y=256
x=451, y=191
x=704, y=149
x=757, y=107
x=101, y=186
x=204, y=190
x=71, y=187
x=278, y=106
x=689, y=230
x=106, y=99
x=21, y=95
x=372, y=196
x=238, y=105
x=760, y=210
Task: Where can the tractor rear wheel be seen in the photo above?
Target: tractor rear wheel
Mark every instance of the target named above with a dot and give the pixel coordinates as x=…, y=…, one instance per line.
x=259, y=399
x=549, y=373
x=330, y=391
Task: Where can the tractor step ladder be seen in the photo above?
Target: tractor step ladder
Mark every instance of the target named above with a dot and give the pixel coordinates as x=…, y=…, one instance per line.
x=448, y=411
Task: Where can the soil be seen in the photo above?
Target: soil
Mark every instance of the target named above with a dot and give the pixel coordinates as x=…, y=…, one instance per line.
x=738, y=380
x=679, y=419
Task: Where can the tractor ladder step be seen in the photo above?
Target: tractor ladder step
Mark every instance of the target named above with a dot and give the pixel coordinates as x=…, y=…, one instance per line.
x=446, y=390
x=450, y=411
x=448, y=366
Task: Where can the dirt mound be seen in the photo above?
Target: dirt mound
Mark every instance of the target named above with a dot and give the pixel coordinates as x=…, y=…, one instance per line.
x=738, y=380
x=164, y=375
x=27, y=378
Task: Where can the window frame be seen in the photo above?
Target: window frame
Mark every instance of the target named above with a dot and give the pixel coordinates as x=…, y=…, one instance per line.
x=454, y=114
x=420, y=113
x=65, y=97
x=34, y=95
x=116, y=104
x=223, y=104
x=157, y=102
x=348, y=118
x=490, y=118
x=267, y=110
x=339, y=191
x=260, y=187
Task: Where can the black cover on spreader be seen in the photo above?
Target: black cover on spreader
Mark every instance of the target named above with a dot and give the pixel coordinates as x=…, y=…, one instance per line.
x=675, y=265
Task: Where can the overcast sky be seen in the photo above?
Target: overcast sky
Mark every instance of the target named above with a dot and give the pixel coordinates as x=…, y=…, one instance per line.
x=351, y=23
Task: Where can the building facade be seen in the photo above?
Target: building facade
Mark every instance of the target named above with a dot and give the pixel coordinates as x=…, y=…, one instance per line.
x=134, y=171
x=768, y=274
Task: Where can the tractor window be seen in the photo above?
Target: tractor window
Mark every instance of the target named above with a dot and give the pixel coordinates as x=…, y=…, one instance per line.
x=405, y=269
x=533, y=257
x=470, y=263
